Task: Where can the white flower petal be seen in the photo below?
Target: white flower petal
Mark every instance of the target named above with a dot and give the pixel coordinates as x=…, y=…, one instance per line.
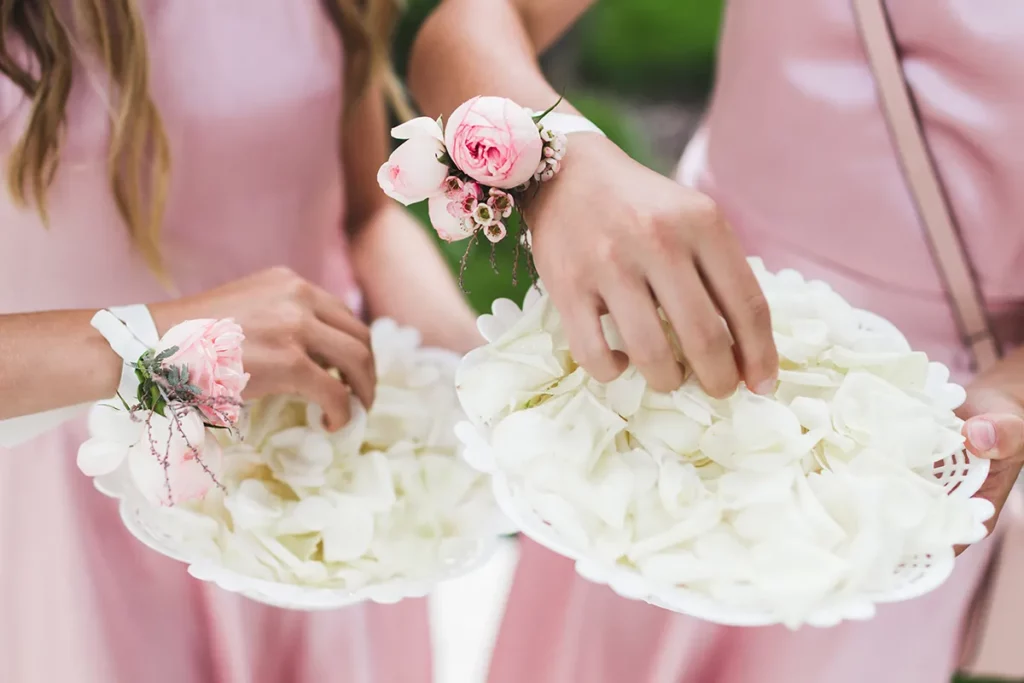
x=351, y=533
x=423, y=125
x=97, y=457
x=109, y=421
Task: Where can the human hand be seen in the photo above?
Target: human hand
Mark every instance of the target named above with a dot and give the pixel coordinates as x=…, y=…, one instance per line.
x=994, y=427
x=609, y=235
x=294, y=331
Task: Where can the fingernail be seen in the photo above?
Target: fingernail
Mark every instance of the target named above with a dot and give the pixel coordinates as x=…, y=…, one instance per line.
x=765, y=388
x=982, y=434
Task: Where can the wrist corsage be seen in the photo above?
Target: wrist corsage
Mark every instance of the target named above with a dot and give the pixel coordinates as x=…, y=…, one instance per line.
x=171, y=394
x=475, y=171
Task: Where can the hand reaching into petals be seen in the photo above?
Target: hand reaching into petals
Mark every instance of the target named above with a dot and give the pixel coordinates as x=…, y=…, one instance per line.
x=293, y=332
x=612, y=236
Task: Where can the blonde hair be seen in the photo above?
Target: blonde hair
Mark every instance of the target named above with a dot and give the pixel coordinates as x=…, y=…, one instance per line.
x=138, y=156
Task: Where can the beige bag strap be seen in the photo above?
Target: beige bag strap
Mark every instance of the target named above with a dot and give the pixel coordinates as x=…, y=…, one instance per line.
x=933, y=208
x=985, y=650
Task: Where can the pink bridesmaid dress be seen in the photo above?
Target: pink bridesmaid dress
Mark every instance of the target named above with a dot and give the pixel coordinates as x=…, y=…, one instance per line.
x=796, y=151
x=250, y=93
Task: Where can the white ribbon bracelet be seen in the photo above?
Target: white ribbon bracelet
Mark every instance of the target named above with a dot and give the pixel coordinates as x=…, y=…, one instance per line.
x=569, y=123
x=131, y=332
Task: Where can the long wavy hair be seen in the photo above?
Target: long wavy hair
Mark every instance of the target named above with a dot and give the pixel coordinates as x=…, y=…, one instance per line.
x=138, y=157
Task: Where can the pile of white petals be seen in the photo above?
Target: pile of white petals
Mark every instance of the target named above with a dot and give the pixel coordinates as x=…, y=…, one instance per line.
x=386, y=501
x=846, y=488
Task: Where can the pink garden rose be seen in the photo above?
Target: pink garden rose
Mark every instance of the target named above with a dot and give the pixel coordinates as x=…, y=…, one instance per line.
x=494, y=141
x=413, y=172
x=212, y=350
x=175, y=461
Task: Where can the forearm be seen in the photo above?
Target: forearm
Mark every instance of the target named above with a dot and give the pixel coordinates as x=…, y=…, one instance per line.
x=404, y=277
x=454, y=58
x=51, y=360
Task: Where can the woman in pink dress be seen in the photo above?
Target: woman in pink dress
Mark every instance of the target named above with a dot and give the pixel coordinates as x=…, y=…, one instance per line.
x=248, y=95
x=797, y=158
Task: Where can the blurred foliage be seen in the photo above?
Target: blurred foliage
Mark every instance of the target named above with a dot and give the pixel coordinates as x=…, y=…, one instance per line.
x=648, y=47
x=416, y=12
x=651, y=47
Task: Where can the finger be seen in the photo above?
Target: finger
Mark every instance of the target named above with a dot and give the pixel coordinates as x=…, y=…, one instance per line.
x=702, y=334
x=315, y=384
x=581, y=321
x=997, y=486
x=633, y=309
x=332, y=311
x=735, y=288
x=350, y=356
x=997, y=436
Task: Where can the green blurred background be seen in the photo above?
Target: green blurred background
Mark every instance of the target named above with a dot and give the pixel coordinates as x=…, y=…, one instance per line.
x=640, y=69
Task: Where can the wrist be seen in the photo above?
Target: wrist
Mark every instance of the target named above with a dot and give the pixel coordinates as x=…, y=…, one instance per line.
x=585, y=151
x=102, y=374
x=167, y=314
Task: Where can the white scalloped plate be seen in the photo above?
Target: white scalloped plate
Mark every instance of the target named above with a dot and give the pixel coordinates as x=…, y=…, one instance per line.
x=149, y=525
x=960, y=473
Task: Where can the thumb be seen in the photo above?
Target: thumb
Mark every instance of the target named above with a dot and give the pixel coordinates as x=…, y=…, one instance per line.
x=998, y=436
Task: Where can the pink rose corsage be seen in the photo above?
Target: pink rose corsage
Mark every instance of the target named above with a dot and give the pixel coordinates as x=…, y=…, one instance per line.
x=473, y=172
x=188, y=385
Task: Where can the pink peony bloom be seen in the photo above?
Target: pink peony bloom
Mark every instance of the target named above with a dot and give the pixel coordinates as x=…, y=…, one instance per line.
x=212, y=351
x=494, y=141
x=413, y=172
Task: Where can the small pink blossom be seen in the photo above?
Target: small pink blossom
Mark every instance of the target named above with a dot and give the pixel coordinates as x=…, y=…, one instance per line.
x=494, y=141
x=453, y=187
x=463, y=206
x=484, y=215
x=448, y=226
x=547, y=170
x=501, y=203
x=212, y=351
x=495, y=232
